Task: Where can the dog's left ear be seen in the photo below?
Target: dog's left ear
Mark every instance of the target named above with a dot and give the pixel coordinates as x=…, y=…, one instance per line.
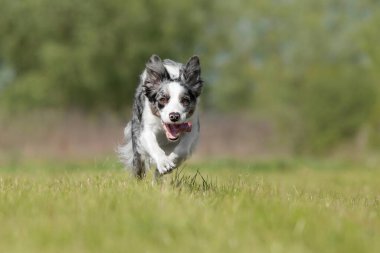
x=192, y=75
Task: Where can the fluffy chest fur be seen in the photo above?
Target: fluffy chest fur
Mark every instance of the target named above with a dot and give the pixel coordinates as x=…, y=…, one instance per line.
x=153, y=125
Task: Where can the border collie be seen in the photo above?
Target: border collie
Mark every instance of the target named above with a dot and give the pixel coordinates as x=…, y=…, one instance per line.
x=165, y=125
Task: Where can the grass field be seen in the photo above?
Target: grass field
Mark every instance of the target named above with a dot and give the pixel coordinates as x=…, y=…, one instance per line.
x=225, y=207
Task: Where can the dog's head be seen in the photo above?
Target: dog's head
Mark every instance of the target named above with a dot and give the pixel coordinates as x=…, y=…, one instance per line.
x=173, y=90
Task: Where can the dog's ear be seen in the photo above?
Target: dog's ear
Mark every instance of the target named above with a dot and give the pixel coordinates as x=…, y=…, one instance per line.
x=155, y=74
x=155, y=70
x=192, y=75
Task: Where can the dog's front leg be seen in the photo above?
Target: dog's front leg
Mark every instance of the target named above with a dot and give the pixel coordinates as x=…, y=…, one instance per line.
x=178, y=155
x=184, y=149
x=163, y=162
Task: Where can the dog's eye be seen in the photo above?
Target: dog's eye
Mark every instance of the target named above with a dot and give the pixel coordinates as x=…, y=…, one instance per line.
x=163, y=100
x=185, y=101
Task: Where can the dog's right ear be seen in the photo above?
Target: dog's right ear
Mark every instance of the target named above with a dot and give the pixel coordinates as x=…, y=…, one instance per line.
x=155, y=70
x=155, y=74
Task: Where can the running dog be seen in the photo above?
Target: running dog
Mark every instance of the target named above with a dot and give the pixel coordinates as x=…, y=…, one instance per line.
x=165, y=124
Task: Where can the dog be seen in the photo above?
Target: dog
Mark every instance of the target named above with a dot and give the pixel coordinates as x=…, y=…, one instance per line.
x=164, y=128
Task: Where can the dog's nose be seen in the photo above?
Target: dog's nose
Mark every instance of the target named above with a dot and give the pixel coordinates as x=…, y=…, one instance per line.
x=174, y=116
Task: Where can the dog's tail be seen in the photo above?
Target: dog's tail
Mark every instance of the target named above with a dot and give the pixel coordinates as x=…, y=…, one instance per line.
x=125, y=151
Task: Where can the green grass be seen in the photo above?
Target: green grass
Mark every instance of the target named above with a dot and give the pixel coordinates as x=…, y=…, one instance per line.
x=225, y=207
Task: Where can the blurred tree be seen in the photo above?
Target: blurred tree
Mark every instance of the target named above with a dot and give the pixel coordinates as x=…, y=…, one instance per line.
x=313, y=66
x=89, y=54
x=305, y=66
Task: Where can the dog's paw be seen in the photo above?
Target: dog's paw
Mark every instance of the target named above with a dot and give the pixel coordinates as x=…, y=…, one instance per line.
x=165, y=165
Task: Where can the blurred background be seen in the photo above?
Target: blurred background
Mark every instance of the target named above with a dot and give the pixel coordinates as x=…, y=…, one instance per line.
x=283, y=78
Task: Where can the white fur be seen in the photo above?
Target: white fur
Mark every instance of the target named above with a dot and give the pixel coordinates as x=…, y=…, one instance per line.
x=173, y=71
x=126, y=150
x=148, y=139
x=151, y=136
x=174, y=105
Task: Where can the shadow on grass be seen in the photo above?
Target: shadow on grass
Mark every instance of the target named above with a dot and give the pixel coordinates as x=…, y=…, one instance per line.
x=194, y=183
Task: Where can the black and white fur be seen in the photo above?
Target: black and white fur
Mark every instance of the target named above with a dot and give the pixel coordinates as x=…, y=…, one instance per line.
x=166, y=97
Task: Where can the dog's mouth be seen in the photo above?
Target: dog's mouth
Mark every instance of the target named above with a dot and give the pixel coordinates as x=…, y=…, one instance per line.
x=173, y=131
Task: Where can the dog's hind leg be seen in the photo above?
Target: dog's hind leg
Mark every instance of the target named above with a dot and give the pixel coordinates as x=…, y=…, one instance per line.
x=138, y=166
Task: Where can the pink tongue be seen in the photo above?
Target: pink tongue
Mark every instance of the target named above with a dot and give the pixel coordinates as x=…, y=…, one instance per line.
x=184, y=127
x=176, y=129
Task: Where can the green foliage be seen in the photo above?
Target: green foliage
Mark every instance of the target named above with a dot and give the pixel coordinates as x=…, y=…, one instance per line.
x=313, y=66
x=89, y=54
x=287, y=59
x=334, y=106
